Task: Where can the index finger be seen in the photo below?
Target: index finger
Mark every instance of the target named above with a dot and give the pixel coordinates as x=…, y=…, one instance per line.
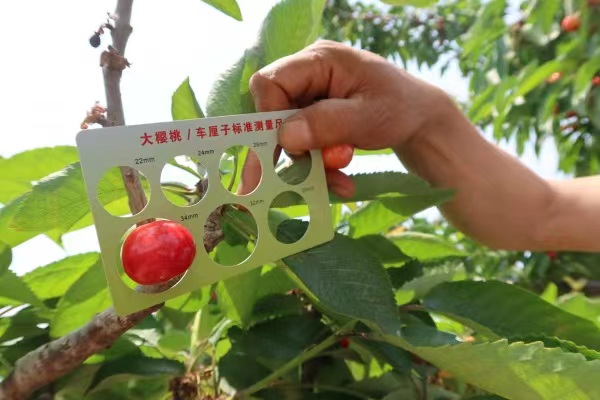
x=295, y=81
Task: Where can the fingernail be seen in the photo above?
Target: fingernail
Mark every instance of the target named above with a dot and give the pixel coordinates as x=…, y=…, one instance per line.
x=295, y=135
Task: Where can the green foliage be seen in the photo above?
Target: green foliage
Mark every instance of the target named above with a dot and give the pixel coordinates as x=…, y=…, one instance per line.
x=490, y=304
x=395, y=306
x=87, y=296
x=507, y=51
x=20, y=171
x=228, y=7
x=184, y=104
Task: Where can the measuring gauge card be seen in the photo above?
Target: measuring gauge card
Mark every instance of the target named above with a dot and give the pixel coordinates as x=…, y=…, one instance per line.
x=189, y=170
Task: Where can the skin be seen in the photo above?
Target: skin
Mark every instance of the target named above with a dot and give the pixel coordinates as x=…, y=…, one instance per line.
x=372, y=104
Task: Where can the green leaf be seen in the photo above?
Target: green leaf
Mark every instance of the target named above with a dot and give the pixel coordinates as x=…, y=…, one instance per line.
x=344, y=278
x=515, y=371
x=54, y=279
x=382, y=248
x=245, y=290
x=378, y=185
x=290, y=26
x=490, y=304
x=5, y=257
x=119, y=348
x=424, y=246
x=276, y=306
x=228, y=7
x=86, y=297
x=373, y=218
x=380, y=215
x=536, y=77
x=225, y=96
x=582, y=306
x=379, y=386
x=131, y=367
x=175, y=341
x=60, y=202
x=18, y=172
x=420, y=286
x=14, y=291
x=566, y=345
x=277, y=341
x=396, y=189
x=9, y=235
x=17, y=350
x=412, y=3
x=184, y=104
x=24, y=324
x=190, y=302
x=266, y=346
x=593, y=106
x=398, y=196
x=240, y=370
x=241, y=295
x=585, y=73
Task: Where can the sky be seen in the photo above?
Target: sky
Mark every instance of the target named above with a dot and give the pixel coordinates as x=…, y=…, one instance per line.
x=51, y=76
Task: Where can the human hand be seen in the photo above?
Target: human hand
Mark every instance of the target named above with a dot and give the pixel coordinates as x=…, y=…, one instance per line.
x=346, y=97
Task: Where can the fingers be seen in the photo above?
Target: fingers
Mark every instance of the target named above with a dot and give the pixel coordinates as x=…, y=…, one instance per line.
x=340, y=183
x=326, y=69
x=251, y=174
x=326, y=123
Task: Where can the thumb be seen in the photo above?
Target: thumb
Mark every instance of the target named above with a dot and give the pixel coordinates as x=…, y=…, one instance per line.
x=326, y=123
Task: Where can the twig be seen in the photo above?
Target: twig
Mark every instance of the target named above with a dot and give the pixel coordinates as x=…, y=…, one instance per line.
x=53, y=360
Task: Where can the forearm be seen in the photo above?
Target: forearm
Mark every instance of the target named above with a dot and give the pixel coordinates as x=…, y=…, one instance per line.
x=499, y=201
x=574, y=217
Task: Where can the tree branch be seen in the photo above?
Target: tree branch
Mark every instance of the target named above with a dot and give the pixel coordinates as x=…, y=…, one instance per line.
x=53, y=360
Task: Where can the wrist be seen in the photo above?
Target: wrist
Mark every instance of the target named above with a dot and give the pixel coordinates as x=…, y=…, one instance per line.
x=431, y=144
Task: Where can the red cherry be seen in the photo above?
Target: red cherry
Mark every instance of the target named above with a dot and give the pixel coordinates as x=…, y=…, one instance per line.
x=552, y=255
x=570, y=23
x=345, y=342
x=337, y=157
x=571, y=114
x=157, y=252
x=596, y=81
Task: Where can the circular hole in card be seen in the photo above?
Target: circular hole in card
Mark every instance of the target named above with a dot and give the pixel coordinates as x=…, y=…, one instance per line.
x=240, y=170
x=112, y=194
x=289, y=217
x=240, y=235
x=157, y=254
x=292, y=169
x=184, y=180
